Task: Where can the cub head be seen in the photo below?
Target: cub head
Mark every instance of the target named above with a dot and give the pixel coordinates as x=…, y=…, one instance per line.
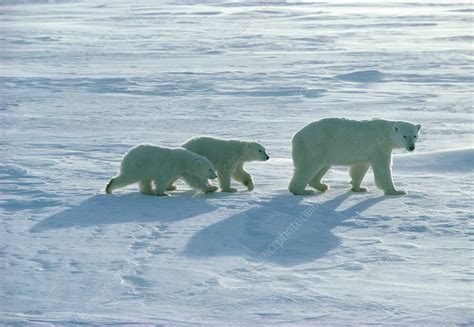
x=256, y=152
x=203, y=168
x=405, y=135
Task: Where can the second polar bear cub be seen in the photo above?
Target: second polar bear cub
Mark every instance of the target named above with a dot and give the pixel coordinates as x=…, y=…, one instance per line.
x=151, y=165
x=228, y=158
x=358, y=144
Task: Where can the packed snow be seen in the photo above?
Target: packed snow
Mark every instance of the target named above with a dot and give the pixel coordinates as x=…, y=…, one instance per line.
x=82, y=82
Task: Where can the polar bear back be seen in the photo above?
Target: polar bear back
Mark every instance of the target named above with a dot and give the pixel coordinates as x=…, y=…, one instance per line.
x=218, y=151
x=342, y=141
x=146, y=159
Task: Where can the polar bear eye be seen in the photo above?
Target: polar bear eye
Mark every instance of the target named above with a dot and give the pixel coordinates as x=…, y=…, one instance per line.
x=210, y=169
x=414, y=137
x=259, y=150
x=404, y=137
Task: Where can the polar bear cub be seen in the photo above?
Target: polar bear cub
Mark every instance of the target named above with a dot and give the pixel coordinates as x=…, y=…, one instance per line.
x=358, y=144
x=228, y=158
x=148, y=164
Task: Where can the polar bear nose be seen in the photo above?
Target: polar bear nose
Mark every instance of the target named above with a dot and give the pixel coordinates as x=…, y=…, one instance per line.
x=411, y=148
x=267, y=157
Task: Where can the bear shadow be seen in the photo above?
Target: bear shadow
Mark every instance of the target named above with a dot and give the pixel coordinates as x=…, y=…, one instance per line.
x=102, y=209
x=282, y=231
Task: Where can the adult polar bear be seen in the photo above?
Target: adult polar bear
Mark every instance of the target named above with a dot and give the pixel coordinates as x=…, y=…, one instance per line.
x=358, y=144
x=148, y=164
x=228, y=158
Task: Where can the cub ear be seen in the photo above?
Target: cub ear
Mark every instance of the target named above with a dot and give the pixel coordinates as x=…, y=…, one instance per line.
x=418, y=126
x=395, y=128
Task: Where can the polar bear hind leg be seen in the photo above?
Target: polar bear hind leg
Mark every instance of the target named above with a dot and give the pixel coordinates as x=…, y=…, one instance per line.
x=119, y=181
x=357, y=173
x=316, y=180
x=302, y=175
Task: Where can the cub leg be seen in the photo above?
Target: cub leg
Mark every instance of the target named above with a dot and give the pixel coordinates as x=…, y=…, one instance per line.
x=241, y=175
x=200, y=183
x=316, y=181
x=145, y=187
x=119, y=181
x=160, y=186
x=224, y=181
x=357, y=173
x=171, y=186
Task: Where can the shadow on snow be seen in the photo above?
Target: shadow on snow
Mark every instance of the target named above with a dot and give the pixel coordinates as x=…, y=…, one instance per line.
x=263, y=233
x=104, y=209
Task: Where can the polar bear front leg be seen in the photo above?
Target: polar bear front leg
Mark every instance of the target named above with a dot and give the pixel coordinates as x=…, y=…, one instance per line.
x=199, y=183
x=210, y=188
x=241, y=175
x=357, y=173
x=383, y=177
x=224, y=181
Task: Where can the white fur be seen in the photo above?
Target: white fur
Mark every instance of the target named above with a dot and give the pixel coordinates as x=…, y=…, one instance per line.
x=358, y=144
x=228, y=158
x=147, y=164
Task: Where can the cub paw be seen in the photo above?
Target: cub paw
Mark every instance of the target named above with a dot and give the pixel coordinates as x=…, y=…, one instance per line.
x=229, y=190
x=360, y=189
x=210, y=189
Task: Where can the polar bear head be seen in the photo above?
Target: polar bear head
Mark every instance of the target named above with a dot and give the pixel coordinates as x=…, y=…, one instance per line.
x=405, y=135
x=255, y=152
x=203, y=168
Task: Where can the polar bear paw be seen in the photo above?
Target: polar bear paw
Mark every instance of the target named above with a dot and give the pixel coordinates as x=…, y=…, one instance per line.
x=250, y=185
x=359, y=189
x=229, y=190
x=322, y=187
x=210, y=189
x=303, y=192
x=395, y=192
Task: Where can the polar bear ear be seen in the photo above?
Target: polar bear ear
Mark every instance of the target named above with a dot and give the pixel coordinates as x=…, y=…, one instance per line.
x=418, y=126
x=395, y=128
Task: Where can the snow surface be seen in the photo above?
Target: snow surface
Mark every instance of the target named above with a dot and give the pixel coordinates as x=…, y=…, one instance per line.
x=81, y=82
